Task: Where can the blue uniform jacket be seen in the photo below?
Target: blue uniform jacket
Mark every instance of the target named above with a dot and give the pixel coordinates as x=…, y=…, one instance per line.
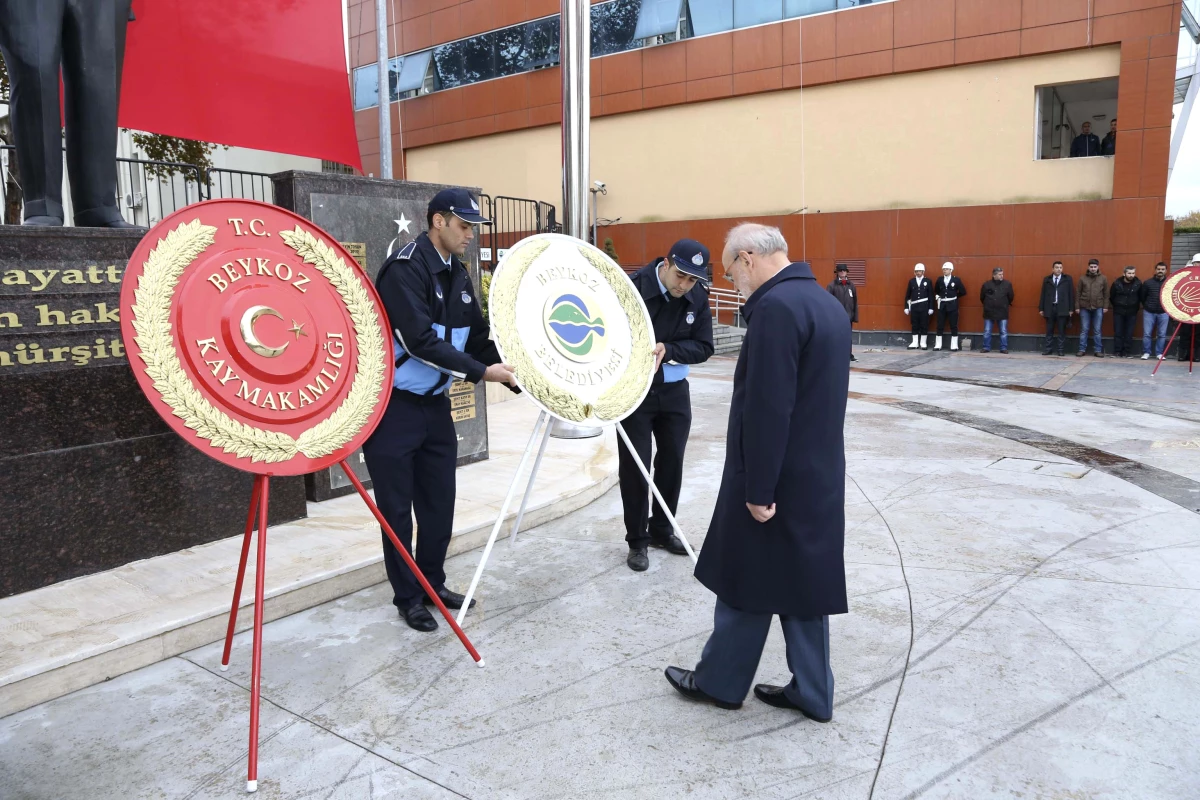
x=683, y=325
x=785, y=446
x=439, y=329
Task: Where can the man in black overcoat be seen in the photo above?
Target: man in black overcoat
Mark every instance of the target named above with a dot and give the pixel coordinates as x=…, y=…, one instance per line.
x=776, y=538
x=1057, y=306
x=843, y=290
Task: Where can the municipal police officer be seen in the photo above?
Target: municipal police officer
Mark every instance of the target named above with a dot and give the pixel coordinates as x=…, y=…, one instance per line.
x=673, y=289
x=440, y=335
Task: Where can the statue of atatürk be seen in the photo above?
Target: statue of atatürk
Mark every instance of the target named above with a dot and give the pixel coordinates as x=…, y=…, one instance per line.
x=87, y=38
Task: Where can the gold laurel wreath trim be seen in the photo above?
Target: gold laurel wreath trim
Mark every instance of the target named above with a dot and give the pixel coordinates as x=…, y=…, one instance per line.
x=502, y=305
x=349, y=418
x=152, y=325
x=638, y=373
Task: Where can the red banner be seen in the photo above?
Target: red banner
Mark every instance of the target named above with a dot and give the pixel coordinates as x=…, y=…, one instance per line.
x=266, y=74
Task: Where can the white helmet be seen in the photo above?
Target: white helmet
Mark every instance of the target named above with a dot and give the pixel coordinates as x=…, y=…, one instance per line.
x=919, y=268
x=948, y=266
x=1196, y=258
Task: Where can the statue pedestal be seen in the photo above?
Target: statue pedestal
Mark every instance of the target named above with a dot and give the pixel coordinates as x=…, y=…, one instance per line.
x=92, y=478
x=372, y=218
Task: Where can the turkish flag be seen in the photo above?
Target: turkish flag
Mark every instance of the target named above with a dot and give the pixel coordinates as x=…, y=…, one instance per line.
x=265, y=74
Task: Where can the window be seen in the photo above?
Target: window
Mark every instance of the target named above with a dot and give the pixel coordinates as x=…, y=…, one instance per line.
x=1064, y=110
x=617, y=26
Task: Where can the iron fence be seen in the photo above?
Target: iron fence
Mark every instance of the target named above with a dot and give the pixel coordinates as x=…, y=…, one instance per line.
x=513, y=218
x=148, y=191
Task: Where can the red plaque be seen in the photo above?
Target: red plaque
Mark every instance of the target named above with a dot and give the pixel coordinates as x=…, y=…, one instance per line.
x=256, y=336
x=1180, y=295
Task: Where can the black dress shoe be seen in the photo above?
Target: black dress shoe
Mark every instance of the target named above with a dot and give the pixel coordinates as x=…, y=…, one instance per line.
x=449, y=599
x=852, y=357
x=774, y=696
x=120, y=223
x=670, y=543
x=638, y=561
x=418, y=618
x=684, y=681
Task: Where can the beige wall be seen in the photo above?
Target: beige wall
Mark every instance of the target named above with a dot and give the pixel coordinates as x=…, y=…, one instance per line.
x=954, y=136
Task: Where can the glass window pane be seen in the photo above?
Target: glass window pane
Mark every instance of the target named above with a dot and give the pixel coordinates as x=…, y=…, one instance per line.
x=711, y=16
x=511, y=54
x=613, y=26
x=393, y=75
x=479, y=58
x=366, y=87
x=412, y=72
x=541, y=43
x=800, y=8
x=756, y=12
x=448, y=65
x=657, y=17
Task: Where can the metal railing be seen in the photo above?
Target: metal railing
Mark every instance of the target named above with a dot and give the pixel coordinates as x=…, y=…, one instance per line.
x=726, y=301
x=148, y=191
x=513, y=218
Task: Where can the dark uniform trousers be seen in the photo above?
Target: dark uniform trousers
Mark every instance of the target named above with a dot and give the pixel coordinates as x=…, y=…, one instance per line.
x=731, y=657
x=411, y=457
x=948, y=314
x=666, y=413
x=919, y=318
x=1056, y=332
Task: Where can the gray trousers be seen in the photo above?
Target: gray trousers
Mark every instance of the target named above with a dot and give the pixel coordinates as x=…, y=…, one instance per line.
x=731, y=657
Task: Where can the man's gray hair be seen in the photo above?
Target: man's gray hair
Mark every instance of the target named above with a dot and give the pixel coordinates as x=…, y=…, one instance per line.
x=755, y=238
x=997, y=270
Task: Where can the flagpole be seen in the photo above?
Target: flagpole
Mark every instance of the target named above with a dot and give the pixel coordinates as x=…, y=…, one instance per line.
x=385, y=92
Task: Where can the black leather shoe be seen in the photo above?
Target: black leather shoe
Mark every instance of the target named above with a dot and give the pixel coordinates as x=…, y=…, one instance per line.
x=669, y=543
x=122, y=224
x=684, y=681
x=449, y=598
x=774, y=696
x=419, y=619
x=638, y=561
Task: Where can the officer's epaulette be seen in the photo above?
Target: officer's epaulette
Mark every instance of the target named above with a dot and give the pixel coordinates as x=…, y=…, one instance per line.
x=406, y=252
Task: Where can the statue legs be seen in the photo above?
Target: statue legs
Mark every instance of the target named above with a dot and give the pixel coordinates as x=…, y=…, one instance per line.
x=87, y=38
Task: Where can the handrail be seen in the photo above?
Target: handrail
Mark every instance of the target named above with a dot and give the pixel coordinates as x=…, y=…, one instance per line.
x=727, y=300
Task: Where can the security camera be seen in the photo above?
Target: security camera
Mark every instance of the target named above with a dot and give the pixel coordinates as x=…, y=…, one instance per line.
x=599, y=184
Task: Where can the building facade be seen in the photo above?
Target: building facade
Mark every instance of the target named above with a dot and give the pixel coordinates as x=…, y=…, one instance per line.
x=880, y=133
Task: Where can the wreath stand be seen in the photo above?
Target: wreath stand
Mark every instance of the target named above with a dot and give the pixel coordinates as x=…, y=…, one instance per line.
x=543, y=422
x=259, y=495
x=1191, y=349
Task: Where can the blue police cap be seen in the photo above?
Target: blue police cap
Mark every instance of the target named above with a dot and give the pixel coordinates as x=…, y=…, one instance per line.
x=460, y=203
x=691, y=257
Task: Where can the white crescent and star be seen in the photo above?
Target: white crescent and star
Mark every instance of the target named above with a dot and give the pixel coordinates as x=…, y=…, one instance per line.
x=247, y=329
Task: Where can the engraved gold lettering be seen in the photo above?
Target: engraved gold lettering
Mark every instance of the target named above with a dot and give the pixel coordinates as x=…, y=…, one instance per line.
x=215, y=366
x=285, y=401
x=117, y=348
x=207, y=344
x=73, y=276
x=320, y=388
x=230, y=272
x=104, y=315
x=5, y=359
x=9, y=319
x=48, y=317
x=264, y=266
x=216, y=281
x=279, y=268
x=14, y=277
x=245, y=262
x=303, y=280
x=100, y=349
x=94, y=274
x=304, y=398
x=236, y=222
x=254, y=222
x=269, y=402
x=81, y=354
x=58, y=354
x=33, y=355
x=340, y=346
x=229, y=375
x=114, y=274
x=42, y=276
x=81, y=317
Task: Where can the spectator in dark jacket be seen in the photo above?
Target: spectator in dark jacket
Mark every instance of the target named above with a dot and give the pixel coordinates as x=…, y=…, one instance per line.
x=843, y=290
x=996, y=297
x=1091, y=302
x=1056, y=304
x=1154, y=316
x=1108, y=146
x=1086, y=143
x=1125, y=296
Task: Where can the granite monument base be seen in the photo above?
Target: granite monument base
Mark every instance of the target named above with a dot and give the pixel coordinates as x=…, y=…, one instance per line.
x=90, y=477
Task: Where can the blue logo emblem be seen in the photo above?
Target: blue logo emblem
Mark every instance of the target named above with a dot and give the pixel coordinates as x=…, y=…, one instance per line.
x=573, y=330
